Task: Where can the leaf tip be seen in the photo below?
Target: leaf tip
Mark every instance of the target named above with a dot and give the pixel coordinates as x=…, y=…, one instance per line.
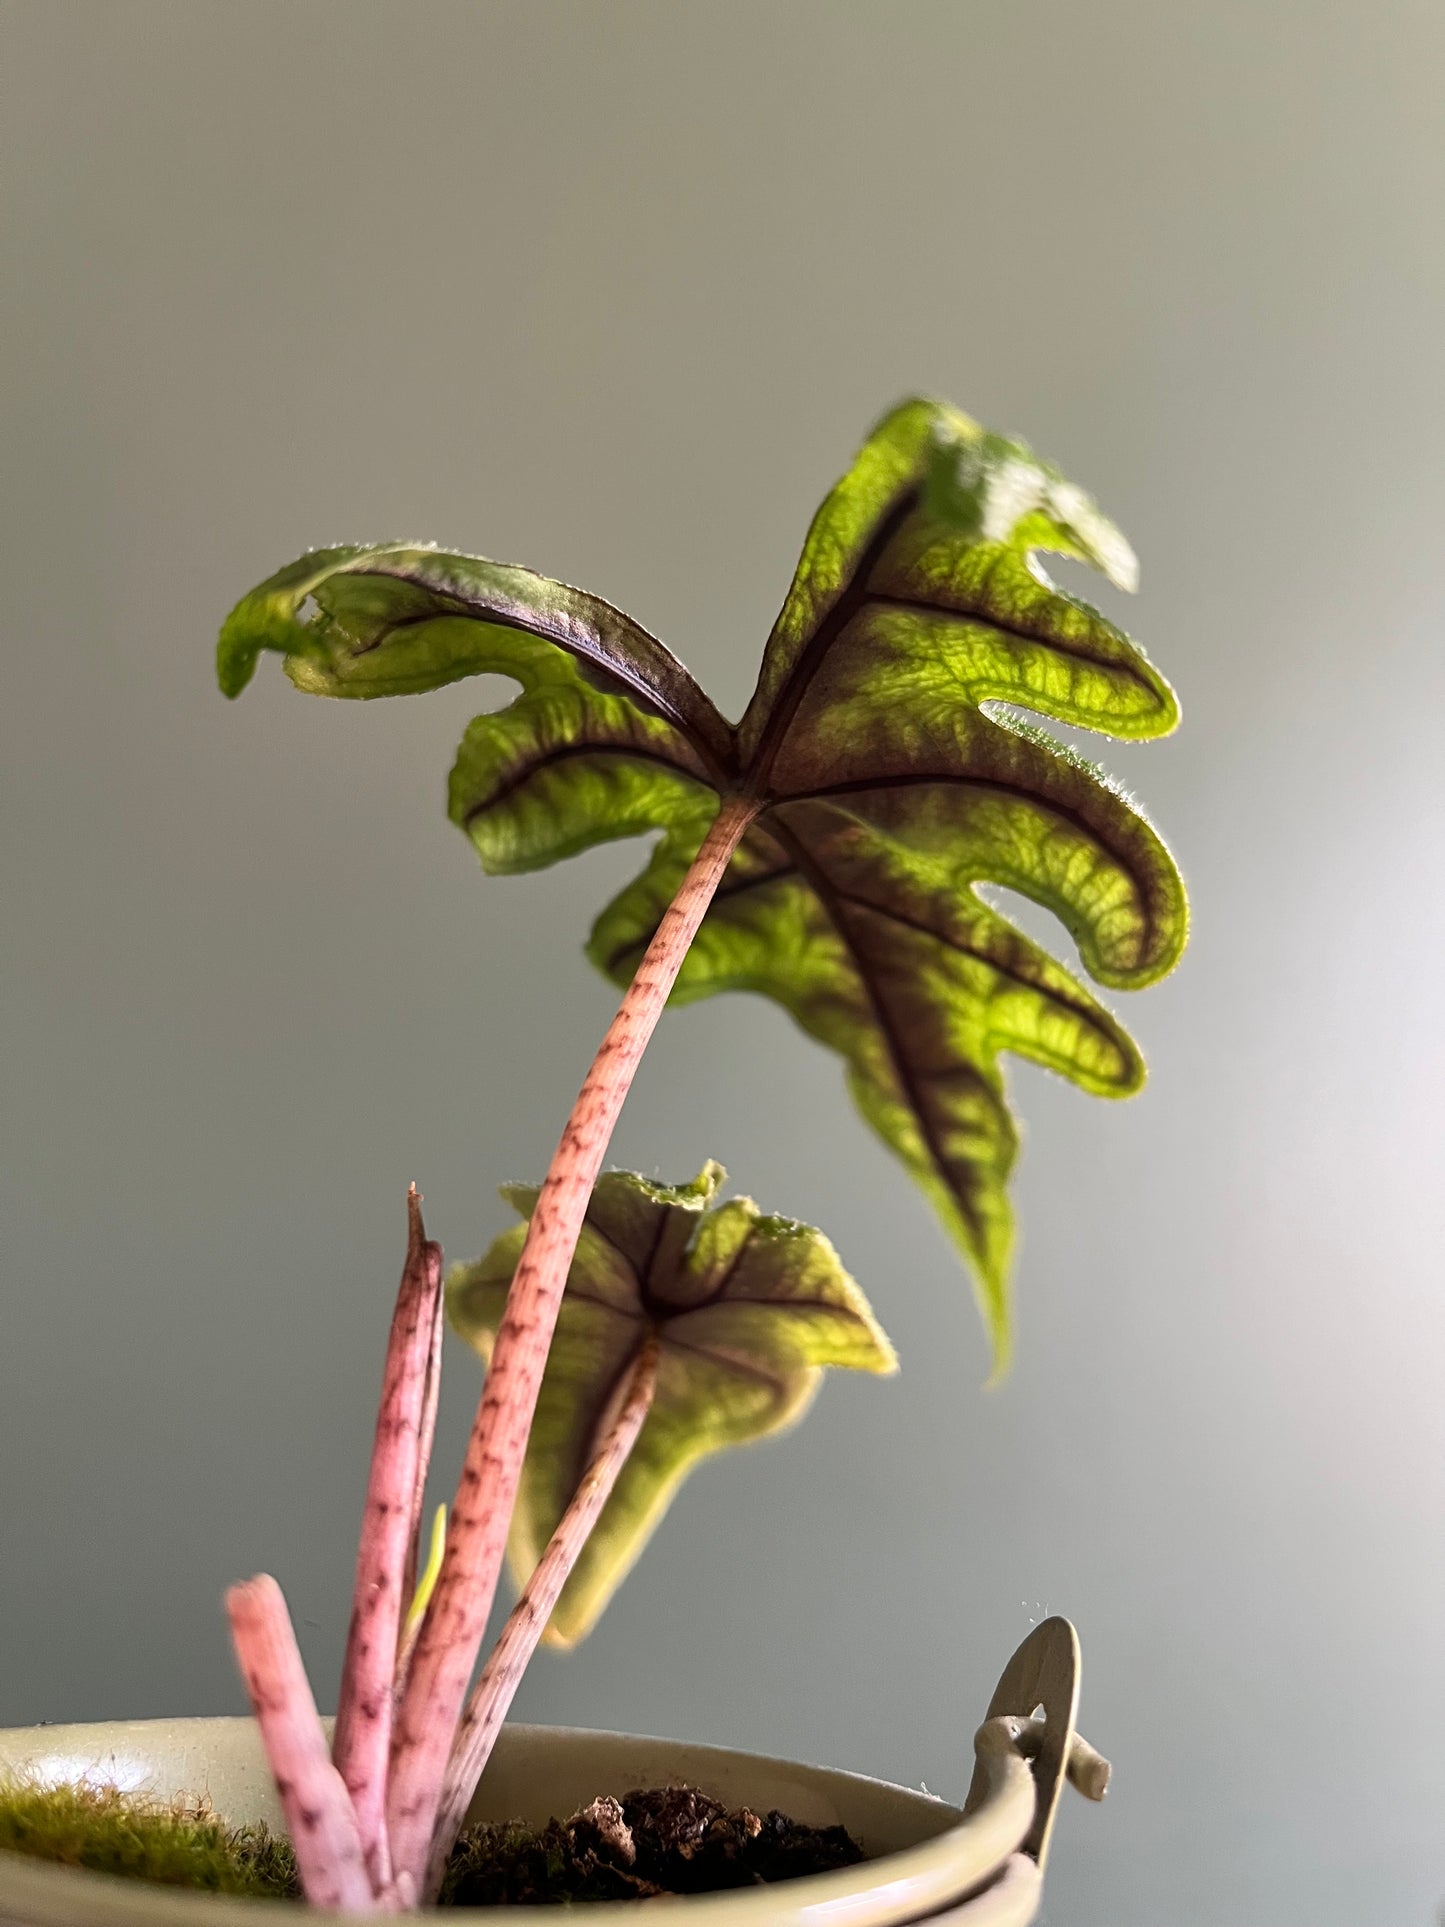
x=708, y=1182
x=884, y=1362
x=237, y=652
x=1001, y=1363
x=426, y=1583
x=994, y=1294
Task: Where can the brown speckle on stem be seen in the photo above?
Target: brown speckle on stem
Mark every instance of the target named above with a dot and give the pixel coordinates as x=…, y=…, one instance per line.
x=476, y=1536
x=318, y=1809
x=502, y=1674
x=386, y=1557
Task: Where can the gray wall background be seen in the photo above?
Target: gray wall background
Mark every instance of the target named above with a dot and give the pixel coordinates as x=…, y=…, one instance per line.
x=614, y=290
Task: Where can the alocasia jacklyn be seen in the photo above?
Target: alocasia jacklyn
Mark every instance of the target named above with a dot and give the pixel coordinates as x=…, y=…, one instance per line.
x=687, y=1326
x=696, y=1325
x=824, y=851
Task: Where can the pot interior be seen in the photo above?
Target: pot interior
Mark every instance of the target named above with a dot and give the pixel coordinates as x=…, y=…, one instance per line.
x=535, y=1773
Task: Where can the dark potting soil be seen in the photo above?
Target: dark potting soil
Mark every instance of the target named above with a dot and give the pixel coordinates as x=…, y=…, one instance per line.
x=672, y=1840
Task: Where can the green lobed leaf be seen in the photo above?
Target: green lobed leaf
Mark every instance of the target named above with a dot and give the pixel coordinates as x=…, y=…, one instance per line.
x=881, y=751
x=748, y=1311
x=402, y=618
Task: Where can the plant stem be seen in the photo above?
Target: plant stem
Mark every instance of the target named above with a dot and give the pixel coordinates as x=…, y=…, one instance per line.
x=405, y=1422
x=319, y=1814
x=502, y=1674
x=446, y=1649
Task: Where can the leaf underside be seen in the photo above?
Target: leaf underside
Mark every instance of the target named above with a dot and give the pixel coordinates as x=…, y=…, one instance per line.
x=747, y=1309
x=889, y=775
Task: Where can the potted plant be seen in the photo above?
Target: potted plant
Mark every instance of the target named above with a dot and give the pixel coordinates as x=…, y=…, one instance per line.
x=824, y=852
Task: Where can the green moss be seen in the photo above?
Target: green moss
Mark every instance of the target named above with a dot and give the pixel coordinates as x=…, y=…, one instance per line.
x=183, y=1844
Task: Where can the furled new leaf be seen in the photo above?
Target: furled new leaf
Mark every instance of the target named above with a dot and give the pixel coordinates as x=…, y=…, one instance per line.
x=888, y=773
x=747, y=1311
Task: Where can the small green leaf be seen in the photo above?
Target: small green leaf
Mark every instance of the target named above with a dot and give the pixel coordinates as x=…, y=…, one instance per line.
x=748, y=1310
x=881, y=751
x=427, y=1578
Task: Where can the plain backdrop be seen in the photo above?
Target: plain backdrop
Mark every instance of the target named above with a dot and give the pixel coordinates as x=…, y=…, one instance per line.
x=614, y=289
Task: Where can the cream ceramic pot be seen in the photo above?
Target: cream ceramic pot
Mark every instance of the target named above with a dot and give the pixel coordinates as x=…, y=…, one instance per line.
x=978, y=1867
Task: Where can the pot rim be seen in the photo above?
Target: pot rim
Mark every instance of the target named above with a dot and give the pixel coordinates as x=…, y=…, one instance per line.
x=881, y=1892
x=983, y=1864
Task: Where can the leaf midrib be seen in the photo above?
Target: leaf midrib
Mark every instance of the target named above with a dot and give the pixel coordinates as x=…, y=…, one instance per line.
x=728, y=1362
x=713, y=755
x=571, y=752
x=822, y=888
x=920, y=605
x=864, y=785
x=848, y=602
x=962, y=949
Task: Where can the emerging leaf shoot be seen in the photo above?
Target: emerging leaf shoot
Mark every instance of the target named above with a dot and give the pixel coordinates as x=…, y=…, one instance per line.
x=746, y=1311
x=881, y=779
